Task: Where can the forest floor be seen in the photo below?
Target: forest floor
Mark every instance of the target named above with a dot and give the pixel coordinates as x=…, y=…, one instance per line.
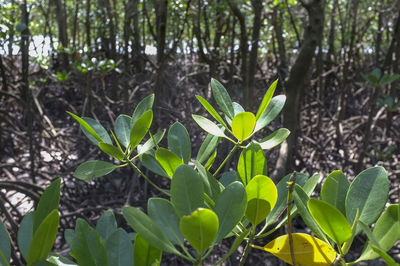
x=59, y=146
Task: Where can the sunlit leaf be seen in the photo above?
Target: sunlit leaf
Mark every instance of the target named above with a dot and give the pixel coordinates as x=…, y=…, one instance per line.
x=243, y=125
x=143, y=106
x=222, y=98
x=211, y=110
x=112, y=151
x=140, y=128
x=266, y=100
x=334, y=190
x=146, y=254
x=168, y=160
x=274, y=139
x=208, y=126
x=252, y=162
x=179, y=142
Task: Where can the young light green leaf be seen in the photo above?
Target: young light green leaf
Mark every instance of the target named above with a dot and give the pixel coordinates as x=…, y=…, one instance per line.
x=252, y=162
x=211, y=110
x=208, y=126
x=163, y=214
x=106, y=225
x=112, y=151
x=243, y=125
x=237, y=108
x=143, y=106
x=98, y=128
x=200, y=228
x=179, y=142
x=146, y=254
x=87, y=127
x=272, y=111
x=148, y=229
x=43, y=238
x=87, y=170
x=5, y=244
x=186, y=190
x=140, y=128
x=119, y=248
x=211, y=160
x=207, y=148
x=122, y=128
x=266, y=100
x=168, y=160
x=222, y=98
x=330, y=220
x=230, y=208
x=274, y=139
x=149, y=161
x=334, y=190
x=369, y=193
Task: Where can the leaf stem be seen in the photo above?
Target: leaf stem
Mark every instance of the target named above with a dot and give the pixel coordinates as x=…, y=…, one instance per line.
x=226, y=159
x=290, y=183
x=247, y=249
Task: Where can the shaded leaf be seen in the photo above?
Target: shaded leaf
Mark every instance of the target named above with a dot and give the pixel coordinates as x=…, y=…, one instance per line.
x=334, y=190
x=106, y=225
x=122, y=128
x=271, y=112
x=208, y=126
x=149, y=161
x=87, y=170
x=144, y=105
x=140, y=128
x=145, y=254
x=119, y=248
x=208, y=146
x=211, y=110
x=112, y=151
x=149, y=144
x=179, y=142
x=5, y=244
x=222, y=98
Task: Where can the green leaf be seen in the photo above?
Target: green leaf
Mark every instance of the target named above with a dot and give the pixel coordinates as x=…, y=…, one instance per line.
x=145, y=254
x=48, y=202
x=168, y=160
x=261, y=198
x=149, y=161
x=211, y=110
x=60, y=260
x=122, y=128
x=3, y=260
x=163, y=214
x=243, y=125
x=140, y=128
x=112, y=151
x=98, y=128
x=228, y=178
x=274, y=139
x=222, y=98
x=149, y=144
x=207, y=148
x=208, y=126
x=119, y=248
x=272, y=111
x=331, y=220
x=43, y=238
x=210, y=184
x=237, y=108
x=334, y=190
x=25, y=234
x=386, y=231
x=266, y=100
x=389, y=260
x=5, y=244
x=230, y=208
x=87, y=170
x=186, y=190
x=143, y=106
x=179, y=142
x=369, y=193
x=95, y=138
x=211, y=160
x=252, y=162
x=148, y=229
x=300, y=199
x=87, y=246
x=200, y=228
x=106, y=225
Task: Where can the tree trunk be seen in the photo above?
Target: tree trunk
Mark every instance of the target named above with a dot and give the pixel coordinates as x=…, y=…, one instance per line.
x=62, y=31
x=312, y=36
x=87, y=25
x=137, y=49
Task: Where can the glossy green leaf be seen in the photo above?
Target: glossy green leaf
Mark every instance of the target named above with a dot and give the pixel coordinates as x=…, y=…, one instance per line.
x=211, y=185
x=179, y=142
x=119, y=248
x=145, y=254
x=186, y=190
x=243, y=125
x=140, y=128
x=43, y=238
x=386, y=231
x=274, y=139
x=261, y=198
x=311, y=183
x=266, y=100
x=148, y=229
x=87, y=246
x=112, y=151
x=207, y=148
x=168, y=160
x=211, y=110
x=60, y=260
x=252, y=162
x=334, y=190
x=98, y=128
x=271, y=112
x=200, y=228
x=222, y=98
x=301, y=199
x=330, y=220
x=143, y=106
x=149, y=161
x=106, y=225
x=48, y=202
x=90, y=169
x=5, y=244
x=94, y=136
x=149, y=144
x=122, y=128
x=230, y=208
x=208, y=126
x=163, y=214
x=25, y=234
x=369, y=193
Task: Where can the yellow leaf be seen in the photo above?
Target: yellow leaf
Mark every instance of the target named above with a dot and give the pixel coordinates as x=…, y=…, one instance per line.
x=308, y=250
